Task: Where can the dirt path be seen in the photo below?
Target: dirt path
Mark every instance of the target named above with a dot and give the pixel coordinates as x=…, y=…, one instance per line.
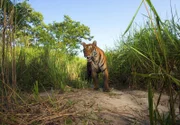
x=115, y=108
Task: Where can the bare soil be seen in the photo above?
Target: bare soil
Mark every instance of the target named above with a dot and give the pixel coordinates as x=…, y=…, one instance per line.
x=83, y=107
x=90, y=107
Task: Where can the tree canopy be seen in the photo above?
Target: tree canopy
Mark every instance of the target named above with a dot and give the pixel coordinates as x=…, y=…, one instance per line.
x=69, y=33
x=32, y=31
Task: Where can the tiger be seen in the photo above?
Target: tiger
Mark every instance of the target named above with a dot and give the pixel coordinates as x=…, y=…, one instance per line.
x=96, y=63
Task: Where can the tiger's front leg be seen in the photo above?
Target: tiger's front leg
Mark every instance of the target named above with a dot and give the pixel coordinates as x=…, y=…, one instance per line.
x=106, y=78
x=95, y=80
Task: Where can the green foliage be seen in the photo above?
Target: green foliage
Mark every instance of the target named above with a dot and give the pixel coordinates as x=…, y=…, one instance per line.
x=26, y=17
x=6, y=7
x=43, y=54
x=150, y=101
x=149, y=54
x=36, y=90
x=68, y=34
x=49, y=68
x=31, y=30
x=139, y=57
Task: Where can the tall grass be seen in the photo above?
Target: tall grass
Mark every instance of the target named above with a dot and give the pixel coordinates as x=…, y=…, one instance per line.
x=142, y=54
x=30, y=69
x=7, y=55
x=149, y=53
x=40, y=69
x=52, y=69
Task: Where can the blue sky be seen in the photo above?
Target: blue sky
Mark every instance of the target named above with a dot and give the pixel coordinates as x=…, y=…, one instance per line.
x=107, y=19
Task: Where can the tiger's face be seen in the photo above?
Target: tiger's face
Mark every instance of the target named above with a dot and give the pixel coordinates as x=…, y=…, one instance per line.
x=88, y=50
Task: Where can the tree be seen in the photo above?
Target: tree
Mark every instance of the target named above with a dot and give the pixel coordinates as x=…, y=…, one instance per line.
x=32, y=31
x=69, y=34
x=27, y=20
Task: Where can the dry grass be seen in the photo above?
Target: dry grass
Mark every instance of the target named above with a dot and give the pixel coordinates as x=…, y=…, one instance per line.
x=49, y=109
x=82, y=107
x=53, y=110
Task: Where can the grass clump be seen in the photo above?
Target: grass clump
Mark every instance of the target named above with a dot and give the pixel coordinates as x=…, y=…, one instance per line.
x=139, y=56
x=49, y=68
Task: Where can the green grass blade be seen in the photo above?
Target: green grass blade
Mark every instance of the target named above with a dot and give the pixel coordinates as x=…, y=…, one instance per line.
x=150, y=101
x=153, y=9
x=133, y=19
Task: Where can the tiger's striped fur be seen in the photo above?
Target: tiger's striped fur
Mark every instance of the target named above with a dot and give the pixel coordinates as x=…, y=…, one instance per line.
x=96, y=63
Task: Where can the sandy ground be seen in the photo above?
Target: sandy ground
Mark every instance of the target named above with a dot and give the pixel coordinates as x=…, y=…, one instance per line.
x=126, y=107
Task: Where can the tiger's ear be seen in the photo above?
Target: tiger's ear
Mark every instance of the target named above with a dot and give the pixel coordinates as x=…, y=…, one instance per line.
x=83, y=44
x=95, y=43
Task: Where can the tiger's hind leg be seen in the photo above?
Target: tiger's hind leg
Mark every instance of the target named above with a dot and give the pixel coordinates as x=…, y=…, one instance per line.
x=106, y=78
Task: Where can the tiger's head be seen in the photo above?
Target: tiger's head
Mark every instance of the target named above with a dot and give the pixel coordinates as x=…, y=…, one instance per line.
x=88, y=50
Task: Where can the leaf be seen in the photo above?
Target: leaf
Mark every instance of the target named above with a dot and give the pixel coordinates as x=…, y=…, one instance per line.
x=133, y=18
x=150, y=101
x=153, y=9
